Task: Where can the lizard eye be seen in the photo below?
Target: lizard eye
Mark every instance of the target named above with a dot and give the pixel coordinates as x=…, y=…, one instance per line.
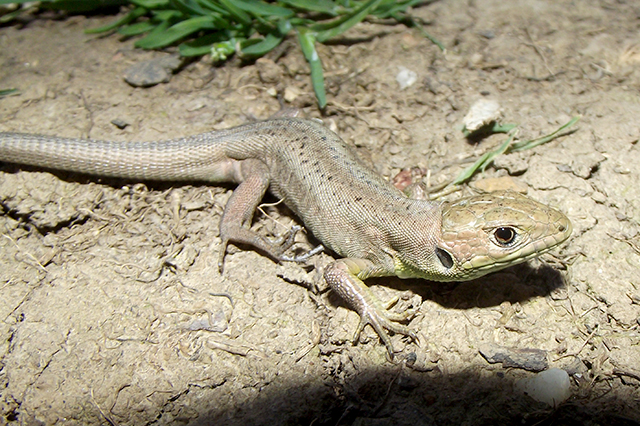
x=444, y=257
x=505, y=235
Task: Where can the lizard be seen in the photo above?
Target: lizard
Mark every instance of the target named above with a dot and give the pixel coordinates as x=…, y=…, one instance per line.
x=372, y=227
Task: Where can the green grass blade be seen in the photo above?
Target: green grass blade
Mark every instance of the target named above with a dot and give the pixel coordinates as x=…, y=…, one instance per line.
x=137, y=28
x=284, y=26
x=524, y=145
x=307, y=43
x=214, y=7
x=188, y=7
x=507, y=146
x=390, y=7
x=259, y=48
x=161, y=36
x=202, y=45
x=7, y=92
x=151, y=4
x=262, y=9
x=7, y=17
x=482, y=162
x=338, y=26
x=131, y=16
x=489, y=129
x=321, y=6
x=238, y=14
x=154, y=34
x=166, y=15
x=410, y=22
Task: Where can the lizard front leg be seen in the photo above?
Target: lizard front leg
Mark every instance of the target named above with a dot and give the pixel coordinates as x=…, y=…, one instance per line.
x=238, y=214
x=343, y=277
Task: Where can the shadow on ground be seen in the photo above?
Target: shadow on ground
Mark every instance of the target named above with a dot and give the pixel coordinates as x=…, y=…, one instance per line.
x=398, y=396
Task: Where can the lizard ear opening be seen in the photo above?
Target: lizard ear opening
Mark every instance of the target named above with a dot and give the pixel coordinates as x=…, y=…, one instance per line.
x=444, y=257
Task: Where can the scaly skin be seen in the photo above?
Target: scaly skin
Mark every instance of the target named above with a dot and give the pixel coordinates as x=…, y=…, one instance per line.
x=352, y=210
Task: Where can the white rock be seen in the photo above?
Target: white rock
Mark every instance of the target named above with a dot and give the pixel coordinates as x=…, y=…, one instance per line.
x=291, y=93
x=406, y=77
x=481, y=113
x=551, y=386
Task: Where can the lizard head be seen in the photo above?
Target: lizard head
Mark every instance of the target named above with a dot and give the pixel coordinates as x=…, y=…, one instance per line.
x=485, y=233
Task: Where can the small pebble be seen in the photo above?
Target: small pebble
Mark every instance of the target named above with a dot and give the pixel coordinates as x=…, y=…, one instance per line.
x=488, y=34
x=482, y=113
x=268, y=71
x=551, y=386
x=155, y=71
x=291, y=93
x=119, y=123
x=406, y=77
x=525, y=358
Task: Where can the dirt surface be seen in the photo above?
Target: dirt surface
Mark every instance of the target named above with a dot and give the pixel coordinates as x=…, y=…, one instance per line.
x=112, y=307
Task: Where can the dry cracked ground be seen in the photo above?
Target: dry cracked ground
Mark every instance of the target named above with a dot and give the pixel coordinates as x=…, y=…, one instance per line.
x=112, y=308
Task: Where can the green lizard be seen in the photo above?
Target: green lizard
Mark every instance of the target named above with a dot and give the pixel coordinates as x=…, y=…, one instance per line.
x=373, y=228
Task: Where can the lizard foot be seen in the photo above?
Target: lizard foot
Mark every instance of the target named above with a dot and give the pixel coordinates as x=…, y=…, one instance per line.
x=284, y=242
x=342, y=276
x=274, y=249
x=381, y=319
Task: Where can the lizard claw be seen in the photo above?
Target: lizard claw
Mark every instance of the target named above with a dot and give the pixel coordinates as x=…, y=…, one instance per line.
x=304, y=256
x=287, y=239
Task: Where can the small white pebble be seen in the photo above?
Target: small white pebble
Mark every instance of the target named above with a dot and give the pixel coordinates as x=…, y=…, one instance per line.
x=481, y=113
x=273, y=92
x=551, y=386
x=406, y=77
x=291, y=93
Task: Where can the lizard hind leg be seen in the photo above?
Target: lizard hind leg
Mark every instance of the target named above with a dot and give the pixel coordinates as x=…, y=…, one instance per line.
x=342, y=276
x=238, y=214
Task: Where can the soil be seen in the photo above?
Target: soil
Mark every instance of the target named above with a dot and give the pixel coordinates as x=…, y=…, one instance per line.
x=112, y=307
